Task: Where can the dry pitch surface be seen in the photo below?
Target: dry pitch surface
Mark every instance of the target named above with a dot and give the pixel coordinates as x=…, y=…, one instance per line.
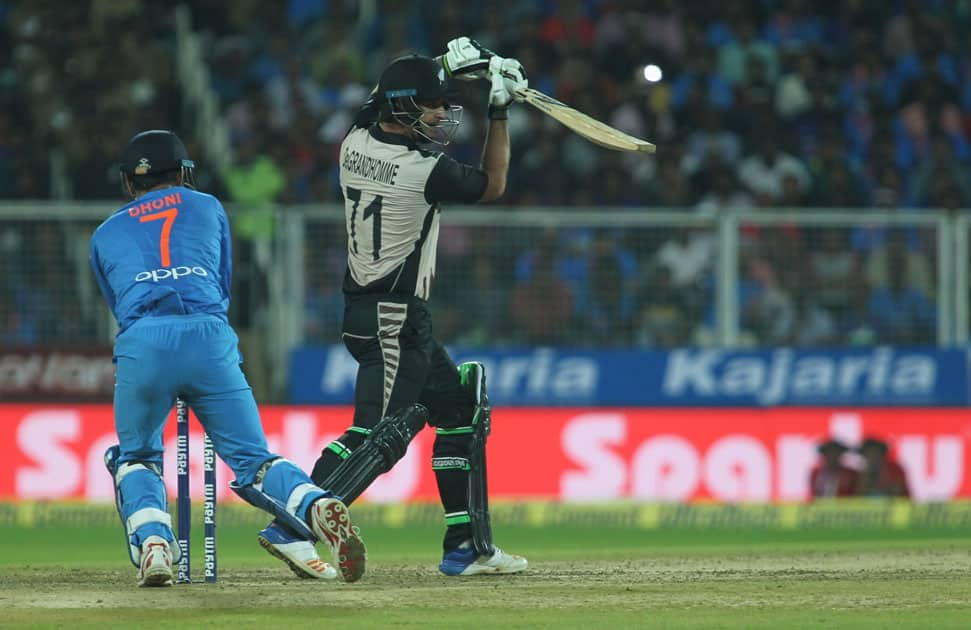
x=579, y=578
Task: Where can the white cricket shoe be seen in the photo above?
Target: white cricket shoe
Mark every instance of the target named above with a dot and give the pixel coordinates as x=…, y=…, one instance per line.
x=332, y=525
x=156, y=563
x=465, y=561
x=298, y=554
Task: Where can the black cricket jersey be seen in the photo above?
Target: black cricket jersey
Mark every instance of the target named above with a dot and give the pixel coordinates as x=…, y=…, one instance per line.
x=392, y=191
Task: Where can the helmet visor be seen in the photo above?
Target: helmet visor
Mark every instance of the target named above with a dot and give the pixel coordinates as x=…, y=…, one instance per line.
x=436, y=124
x=441, y=131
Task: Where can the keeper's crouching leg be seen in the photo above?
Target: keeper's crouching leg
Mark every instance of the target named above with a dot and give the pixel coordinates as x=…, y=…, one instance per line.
x=304, y=514
x=141, y=501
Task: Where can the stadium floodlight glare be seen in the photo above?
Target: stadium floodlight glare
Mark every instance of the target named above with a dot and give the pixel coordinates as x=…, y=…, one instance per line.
x=653, y=73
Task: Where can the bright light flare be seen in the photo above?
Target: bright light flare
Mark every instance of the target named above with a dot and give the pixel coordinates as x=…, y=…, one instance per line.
x=652, y=73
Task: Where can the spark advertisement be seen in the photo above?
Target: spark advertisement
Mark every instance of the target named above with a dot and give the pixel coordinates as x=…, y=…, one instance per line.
x=575, y=454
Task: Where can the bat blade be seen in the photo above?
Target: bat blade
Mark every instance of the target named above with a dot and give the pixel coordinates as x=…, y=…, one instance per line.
x=583, y=125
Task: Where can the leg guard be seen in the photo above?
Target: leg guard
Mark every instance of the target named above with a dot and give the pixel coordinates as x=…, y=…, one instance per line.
x=472, y=374
x=384, y=446
x=143, y=516
x=288, y=513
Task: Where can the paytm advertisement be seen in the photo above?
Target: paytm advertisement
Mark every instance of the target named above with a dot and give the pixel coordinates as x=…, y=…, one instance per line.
x=569, y=454
x=880, y=376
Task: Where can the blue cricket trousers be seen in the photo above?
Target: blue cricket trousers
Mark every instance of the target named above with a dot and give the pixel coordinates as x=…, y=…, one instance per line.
x=195, y=357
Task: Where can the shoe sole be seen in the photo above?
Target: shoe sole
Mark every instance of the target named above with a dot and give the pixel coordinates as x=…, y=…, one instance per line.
x=157, y=577
x=477, y=572
x=273, y=551
x=482, y=571
x=333, y=525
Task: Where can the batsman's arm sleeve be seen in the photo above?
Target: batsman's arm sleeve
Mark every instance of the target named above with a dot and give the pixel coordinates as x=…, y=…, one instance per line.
x=454, y=182
x=106, y=291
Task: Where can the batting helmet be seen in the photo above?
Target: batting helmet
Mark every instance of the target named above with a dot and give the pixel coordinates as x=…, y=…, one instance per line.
x=406, y=84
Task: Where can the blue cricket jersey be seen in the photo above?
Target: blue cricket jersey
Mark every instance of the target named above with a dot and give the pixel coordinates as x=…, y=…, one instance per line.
x=166, y=253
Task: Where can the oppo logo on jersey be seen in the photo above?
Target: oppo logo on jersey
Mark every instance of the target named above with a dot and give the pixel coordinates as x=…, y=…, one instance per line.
x=173, y=273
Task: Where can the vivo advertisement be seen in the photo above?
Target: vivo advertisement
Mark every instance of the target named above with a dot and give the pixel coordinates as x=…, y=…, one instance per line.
x=570, y=454
x=880, y=376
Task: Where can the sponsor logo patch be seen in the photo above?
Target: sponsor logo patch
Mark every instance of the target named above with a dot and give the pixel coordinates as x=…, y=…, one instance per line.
x=170, y=273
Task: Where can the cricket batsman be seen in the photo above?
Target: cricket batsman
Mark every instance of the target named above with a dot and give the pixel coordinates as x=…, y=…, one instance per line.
x=395, y=183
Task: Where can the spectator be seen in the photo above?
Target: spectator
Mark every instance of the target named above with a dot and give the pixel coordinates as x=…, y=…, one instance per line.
x=792, y=194
x=836, y=186
x=726, y=194
x=754, y=97
x=229, y=69
x=252, y=183
x=792, y=95
x=763, y=172
x=856, y=328
x=608, y=318
x=291, y=91
x=711, y=143
x=323, y=309
x=483, y=305
x=881, y=476
x=812, y=326
x=309, y=58
x=663, y=29
x=835, y=271
x=792, y=26
x=569, y=28
x=886, y=187
x=879, y=117
x=542, y=307
x=616, y=189
x=688, y=255
x=901, y=313
x=916, y=269
x=664, y=319
x=734, y=56
x=671, y=189
x=15, y=327
x=770, y=313
x=339, y=54
x=589, y=252
x=831, y=477
x=941, y=162
x=701, y=83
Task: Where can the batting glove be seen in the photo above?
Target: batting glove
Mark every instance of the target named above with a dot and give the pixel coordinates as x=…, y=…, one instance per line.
x=466, y=59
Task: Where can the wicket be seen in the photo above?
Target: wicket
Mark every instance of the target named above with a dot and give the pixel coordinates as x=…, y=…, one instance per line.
x=184, y=500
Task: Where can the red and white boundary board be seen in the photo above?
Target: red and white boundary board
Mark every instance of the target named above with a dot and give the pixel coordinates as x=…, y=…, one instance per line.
x=581, y=454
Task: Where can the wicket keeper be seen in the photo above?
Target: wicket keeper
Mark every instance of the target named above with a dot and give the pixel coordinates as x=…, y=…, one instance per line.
x=163, y=263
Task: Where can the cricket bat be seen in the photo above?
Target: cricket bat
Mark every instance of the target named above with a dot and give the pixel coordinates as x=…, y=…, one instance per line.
x=583, y=125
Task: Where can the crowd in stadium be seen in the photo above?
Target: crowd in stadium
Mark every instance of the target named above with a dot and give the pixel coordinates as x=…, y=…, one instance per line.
x=762, y=104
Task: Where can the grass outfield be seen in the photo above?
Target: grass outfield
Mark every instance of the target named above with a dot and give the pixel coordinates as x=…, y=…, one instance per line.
x=579, y=577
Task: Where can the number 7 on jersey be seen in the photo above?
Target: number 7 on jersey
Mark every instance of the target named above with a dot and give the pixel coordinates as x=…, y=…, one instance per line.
x=169, y=217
